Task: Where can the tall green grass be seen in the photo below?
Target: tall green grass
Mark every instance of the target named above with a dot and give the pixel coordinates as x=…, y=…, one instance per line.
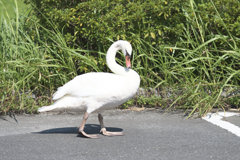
x=198, y=75
x=192, y=77
x=33, y=64
x=8, y=8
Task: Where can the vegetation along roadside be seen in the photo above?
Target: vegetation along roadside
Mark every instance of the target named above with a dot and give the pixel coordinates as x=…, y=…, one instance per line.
x=186, y=52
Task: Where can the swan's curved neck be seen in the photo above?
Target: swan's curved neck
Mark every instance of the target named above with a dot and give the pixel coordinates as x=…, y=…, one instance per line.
x=111, y=62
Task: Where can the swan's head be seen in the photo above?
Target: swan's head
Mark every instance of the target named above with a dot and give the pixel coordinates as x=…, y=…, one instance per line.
x=126, y=48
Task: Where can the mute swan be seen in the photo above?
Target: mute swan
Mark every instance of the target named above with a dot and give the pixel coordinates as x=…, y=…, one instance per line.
x=95, y=92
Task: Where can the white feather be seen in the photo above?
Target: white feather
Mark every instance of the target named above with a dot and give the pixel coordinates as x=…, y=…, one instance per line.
x=98, y=91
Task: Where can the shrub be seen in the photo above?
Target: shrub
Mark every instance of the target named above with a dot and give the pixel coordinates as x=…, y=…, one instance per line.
x=89, y=23
x=186, y=49
x=195, y=25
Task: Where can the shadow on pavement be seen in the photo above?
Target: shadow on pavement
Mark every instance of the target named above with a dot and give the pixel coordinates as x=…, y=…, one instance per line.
x=89, y=129
x=12, y=116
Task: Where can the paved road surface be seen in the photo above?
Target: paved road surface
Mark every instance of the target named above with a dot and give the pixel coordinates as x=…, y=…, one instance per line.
x=149, y=134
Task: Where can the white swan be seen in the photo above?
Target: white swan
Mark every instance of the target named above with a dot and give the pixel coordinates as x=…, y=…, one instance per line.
x=95, y=92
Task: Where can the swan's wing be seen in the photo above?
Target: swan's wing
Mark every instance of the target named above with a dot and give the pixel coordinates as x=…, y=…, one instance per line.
x=92, y=84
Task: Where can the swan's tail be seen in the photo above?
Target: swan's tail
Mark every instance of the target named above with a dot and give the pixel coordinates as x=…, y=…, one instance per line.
x=66, y=103
x=46, y=108
x=59, y=93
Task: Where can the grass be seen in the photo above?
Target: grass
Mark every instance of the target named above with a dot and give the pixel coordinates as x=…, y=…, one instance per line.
x=9, y=8
x=35, y=61
x=29, y=65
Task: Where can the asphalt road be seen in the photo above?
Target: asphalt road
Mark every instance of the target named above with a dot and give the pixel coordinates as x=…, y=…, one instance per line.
x=149, y=134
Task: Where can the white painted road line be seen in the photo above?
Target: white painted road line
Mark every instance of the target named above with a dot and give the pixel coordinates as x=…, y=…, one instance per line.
x=216, y=118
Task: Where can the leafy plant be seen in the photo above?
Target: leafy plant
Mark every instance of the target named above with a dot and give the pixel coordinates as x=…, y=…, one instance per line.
x=186, y=50
x=88, y=24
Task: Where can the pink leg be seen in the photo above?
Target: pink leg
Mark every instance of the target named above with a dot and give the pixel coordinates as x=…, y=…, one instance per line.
x=104, y=131
x=81, y=127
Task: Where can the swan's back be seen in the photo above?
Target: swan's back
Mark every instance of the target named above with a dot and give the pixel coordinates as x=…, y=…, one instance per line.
x=97, y=84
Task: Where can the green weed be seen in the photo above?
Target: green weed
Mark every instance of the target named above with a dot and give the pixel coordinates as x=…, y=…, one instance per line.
x=199, y=72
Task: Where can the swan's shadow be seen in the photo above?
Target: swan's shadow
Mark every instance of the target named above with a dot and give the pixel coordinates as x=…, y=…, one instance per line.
x=89, y=129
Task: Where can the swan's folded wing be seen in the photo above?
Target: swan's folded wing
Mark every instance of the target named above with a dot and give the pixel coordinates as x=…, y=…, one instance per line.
x=92, y=84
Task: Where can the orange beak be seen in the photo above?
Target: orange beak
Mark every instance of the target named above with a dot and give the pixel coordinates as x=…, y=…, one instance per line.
x=128, y=63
